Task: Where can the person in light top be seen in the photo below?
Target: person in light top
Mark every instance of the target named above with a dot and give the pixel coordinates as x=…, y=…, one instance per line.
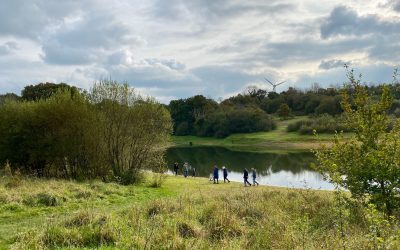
x=254, y=175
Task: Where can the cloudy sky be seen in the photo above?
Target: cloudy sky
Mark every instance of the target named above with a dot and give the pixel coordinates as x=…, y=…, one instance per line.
x=177, y=48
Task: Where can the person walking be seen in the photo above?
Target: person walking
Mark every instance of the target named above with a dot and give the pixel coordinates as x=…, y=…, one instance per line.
x=193, y=172
x=246, y=177
x=176, y=168
x=185, y=169
x=254, y=175
x=225, y=172
x=216, y=174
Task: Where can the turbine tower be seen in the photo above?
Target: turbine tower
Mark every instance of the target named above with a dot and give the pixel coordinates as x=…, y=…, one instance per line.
x=274, y=85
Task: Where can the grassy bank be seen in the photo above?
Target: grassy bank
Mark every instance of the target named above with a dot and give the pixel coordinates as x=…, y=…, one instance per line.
x=183, y=214
x=276, y=140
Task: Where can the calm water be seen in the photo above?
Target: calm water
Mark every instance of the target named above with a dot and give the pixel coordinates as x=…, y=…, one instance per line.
x=285, y=170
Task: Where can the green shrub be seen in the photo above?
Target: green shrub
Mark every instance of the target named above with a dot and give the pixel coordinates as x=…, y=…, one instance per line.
x=49, y=200
x=321, y=124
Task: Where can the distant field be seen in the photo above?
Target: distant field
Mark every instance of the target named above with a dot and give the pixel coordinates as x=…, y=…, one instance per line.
x=276, y=140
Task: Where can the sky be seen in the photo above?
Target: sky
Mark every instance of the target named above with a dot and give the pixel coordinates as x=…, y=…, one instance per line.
x=179, y=48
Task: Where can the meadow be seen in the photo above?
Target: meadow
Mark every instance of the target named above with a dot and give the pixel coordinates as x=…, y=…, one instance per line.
x=183, y=214
x=272, y=141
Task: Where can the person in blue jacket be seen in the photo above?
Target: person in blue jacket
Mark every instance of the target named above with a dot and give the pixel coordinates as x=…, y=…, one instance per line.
x=254, y=175
x=225, y=172
x=216, y=174
x=186, y=169
x=246, y=177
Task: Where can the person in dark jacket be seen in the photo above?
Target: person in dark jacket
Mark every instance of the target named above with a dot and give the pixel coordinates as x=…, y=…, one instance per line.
x=246, y=177
x=193, y=172
x=176, y=168
x=216, y=174
x=254, y=175
x=225, y=171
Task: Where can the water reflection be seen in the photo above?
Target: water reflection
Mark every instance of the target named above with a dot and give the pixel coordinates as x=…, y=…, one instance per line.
x=286, y=170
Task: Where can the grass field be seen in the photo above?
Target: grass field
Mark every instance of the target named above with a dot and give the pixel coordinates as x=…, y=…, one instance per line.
x=182, y=214
x=276, y=140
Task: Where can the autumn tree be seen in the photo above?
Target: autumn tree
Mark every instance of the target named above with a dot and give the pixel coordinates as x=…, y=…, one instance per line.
x=368, y=164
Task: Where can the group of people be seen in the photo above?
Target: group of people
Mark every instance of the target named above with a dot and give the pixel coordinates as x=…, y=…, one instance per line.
x=186, y=169
x=215, y=176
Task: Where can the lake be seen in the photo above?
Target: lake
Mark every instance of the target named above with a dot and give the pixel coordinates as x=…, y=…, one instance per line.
x=274, y=169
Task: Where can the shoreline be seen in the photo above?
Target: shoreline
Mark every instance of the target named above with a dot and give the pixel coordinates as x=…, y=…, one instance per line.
x=244, y=143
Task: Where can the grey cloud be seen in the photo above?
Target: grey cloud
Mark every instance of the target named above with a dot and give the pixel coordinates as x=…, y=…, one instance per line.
x=119, y=57
x=57, y=53
x=171, y=63
x=157, y=78
x=22, y=18
x=344, y=21
x=211, y=10
x=87, y=40
x=371, y=74
x=94, y=30
x=126, y=58
x=392, y=4
x=396, y=5
x=237, y=45
x=8, y=48
x=386, y=48
x=331, y=64
x=283, y=53
x=29, y=19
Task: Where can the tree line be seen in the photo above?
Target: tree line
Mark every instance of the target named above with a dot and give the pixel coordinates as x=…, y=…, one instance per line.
x=251, y=110
x=108, y=132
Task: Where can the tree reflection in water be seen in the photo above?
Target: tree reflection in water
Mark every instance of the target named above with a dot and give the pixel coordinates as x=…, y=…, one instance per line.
x=279, y=169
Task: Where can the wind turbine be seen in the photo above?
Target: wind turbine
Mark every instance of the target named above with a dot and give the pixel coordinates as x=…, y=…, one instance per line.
x=274, y=85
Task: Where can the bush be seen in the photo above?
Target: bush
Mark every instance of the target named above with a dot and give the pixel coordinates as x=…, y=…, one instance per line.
x=323, y=124
x=65, y=134
x=45, y=199
x=227, y=120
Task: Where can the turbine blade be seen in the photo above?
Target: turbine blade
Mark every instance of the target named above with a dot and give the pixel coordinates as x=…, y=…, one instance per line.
x=269, y=81
x=280, y=83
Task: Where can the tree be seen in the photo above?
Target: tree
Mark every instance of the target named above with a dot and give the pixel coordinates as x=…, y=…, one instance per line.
x=133, y=127
x=328, y=105
x=45, y=90
x=185, y=112
x=284, y=111
x=54, y=137
x=368, y=165
x=257, y=93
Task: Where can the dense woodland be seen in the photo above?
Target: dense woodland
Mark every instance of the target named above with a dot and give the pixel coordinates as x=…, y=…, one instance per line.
x=252, y=110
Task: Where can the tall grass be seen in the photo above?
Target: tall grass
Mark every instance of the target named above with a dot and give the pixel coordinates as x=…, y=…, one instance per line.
x=204, y=216
x=321, y=124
